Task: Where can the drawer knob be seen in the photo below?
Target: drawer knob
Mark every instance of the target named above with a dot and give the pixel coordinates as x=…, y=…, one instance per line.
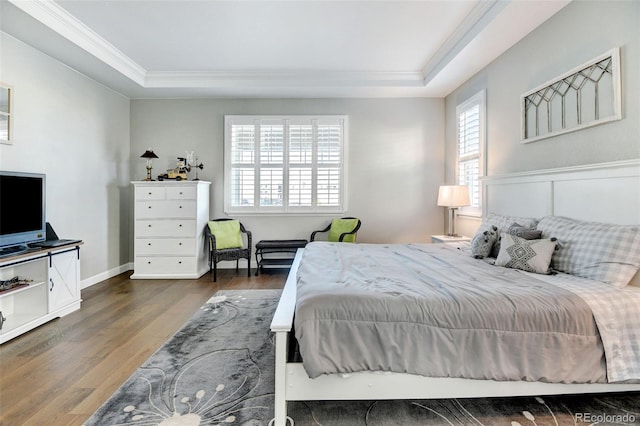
x=180, y=225
x=149, y=226
x=149, y=206
x=148, y=244
x=149, y=262
x=149, y=193
x=180, y=207
x=180, y=262
x=180, y=192
x=179, y=244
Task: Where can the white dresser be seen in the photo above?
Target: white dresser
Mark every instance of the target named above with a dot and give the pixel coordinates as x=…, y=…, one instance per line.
x=170, y=217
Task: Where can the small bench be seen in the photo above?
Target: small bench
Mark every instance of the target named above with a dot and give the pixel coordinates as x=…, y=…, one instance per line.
x=279, y=252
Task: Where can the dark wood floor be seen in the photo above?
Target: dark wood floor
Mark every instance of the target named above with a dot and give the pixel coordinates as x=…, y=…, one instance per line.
x=61, y=372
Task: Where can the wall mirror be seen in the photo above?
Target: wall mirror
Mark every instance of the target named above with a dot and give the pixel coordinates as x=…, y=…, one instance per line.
x=6, y=100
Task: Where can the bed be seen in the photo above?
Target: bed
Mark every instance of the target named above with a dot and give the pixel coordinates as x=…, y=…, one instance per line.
x=399, y=370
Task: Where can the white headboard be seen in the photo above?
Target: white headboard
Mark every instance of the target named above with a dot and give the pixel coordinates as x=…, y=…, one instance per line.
x=604, y=192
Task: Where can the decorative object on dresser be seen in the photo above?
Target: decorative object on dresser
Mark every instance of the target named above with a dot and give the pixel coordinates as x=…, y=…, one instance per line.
x=149, y=155
x=194, y=162
x=343, y=230
x=169, y=221
x=225, y=243
x=47, y=286
x=452, y=197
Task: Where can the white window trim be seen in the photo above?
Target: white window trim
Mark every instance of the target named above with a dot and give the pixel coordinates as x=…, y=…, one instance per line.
x=480, y=99
x=285, y=209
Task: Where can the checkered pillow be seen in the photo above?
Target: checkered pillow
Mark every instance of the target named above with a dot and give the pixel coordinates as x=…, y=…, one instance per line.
x=528, y=255
x=598, y=251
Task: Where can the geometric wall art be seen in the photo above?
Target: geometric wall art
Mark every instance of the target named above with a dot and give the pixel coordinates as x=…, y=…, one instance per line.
x=586, y=96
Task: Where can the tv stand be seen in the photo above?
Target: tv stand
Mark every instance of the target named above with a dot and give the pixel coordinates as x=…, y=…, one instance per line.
x=53, y=289
x=13, y=250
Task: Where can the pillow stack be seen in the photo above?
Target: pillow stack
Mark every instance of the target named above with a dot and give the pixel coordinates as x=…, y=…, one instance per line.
x=599, y=251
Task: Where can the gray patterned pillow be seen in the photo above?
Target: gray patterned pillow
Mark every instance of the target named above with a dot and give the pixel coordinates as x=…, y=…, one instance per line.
x=527, y=255
x=524, y=232
x=598, y=251
x=503, y=222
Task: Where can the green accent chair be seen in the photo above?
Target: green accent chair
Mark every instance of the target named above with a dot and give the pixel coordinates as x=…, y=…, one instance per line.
x=225, y=238
x=343, y=230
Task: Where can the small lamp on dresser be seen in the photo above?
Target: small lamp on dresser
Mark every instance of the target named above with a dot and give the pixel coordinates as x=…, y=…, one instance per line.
x=453, y=197
x=149, y=155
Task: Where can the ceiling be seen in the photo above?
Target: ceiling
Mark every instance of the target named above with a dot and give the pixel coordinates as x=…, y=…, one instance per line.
x=265, y=48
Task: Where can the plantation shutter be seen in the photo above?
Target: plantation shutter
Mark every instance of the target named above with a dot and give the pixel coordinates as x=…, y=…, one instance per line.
x=470, y=116
x=284, y=164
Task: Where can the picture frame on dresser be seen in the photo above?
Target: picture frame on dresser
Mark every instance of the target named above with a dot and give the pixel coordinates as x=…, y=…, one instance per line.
x=169, y=220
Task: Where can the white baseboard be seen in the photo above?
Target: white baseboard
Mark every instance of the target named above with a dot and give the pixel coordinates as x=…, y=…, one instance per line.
x=88, y=282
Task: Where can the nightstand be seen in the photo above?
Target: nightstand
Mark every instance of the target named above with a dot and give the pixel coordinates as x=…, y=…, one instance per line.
x=448, y=239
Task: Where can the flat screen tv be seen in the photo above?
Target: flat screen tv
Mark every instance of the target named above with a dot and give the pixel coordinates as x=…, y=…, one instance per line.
x=22, y=210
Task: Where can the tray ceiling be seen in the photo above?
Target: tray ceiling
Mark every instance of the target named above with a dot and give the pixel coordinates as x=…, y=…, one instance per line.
x=183, y=48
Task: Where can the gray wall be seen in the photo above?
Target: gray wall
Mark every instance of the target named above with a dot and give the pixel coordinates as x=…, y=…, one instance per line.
x=579, y=32
x=77, y=132
x=394, y=158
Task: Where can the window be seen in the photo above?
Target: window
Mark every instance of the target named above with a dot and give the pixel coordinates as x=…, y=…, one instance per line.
x=470, y=140
x=285, y=164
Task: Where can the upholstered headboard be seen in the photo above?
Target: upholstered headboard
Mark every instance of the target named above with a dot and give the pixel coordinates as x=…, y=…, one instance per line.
x=604, y=192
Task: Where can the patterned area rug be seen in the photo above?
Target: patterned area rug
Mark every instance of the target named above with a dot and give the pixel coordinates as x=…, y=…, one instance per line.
x=218, y=370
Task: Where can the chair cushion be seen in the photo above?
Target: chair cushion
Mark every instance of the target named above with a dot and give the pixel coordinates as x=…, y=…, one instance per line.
x=227, y=233
x=339, y=227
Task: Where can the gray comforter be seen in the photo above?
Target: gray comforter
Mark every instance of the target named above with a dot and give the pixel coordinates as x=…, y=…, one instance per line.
x=433, y=310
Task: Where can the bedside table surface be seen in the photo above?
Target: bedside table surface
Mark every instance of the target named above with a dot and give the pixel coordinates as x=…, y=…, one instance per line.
x=449, y=239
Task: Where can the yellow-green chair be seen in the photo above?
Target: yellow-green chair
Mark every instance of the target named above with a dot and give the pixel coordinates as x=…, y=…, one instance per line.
x=343, y=230
x=226, y=243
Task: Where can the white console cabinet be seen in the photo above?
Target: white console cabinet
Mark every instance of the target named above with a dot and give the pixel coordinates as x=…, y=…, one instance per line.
x=53, y=290
x=169, y=221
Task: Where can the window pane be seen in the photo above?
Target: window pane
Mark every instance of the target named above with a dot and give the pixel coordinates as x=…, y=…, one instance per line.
x=271, y=144
x=300, y=187
x=300, y=144
x=328, y=186
x=243, y=144
x=242, y=187
x=469, y=131
x=468, y=174
x=329, y=142
x=271, y=187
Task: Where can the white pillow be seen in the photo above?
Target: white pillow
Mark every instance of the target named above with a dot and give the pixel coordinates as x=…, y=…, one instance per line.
x=527, y=255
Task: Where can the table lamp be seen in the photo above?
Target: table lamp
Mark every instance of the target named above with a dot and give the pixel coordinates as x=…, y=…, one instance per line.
x=452, y=197
x=149, y=154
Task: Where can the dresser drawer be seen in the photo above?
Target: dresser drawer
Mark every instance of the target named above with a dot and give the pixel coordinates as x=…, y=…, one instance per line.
x=152, y=265
x=181, y=193
x=150, y=193
x=165, y=228
x=166, y=246
x=165, y=209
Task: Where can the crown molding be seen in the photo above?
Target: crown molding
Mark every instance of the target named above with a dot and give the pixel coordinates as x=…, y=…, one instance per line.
x=474, y=23
x=162, y=79
x=49, y=13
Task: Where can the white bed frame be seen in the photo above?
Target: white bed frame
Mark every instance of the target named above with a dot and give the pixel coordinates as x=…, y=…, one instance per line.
x=607, y=192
